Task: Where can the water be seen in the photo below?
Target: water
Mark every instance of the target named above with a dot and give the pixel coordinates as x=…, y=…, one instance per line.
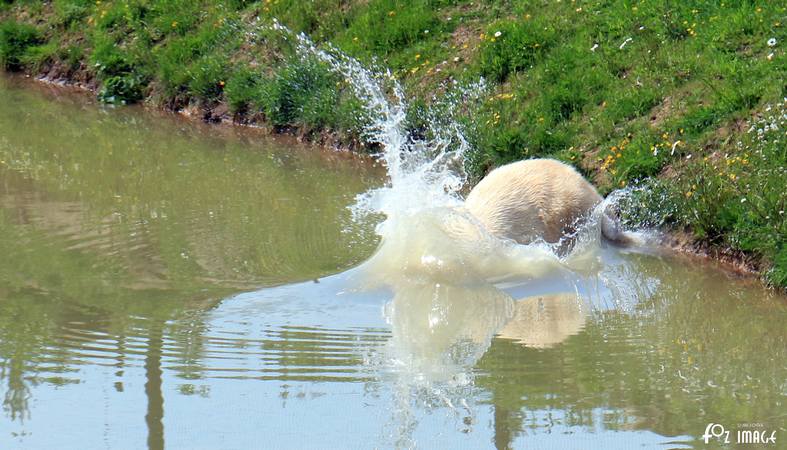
x=169, y=285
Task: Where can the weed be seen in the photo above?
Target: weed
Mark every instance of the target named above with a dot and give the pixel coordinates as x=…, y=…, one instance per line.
x=123, y=89
x=243, y=90
x=38, y=56
x=15, y=39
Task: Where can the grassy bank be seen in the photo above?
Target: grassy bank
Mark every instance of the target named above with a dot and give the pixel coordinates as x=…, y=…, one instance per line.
x=684, y=97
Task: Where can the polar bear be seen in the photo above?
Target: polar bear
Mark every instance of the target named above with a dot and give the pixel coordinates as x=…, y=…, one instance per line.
x=537, y=198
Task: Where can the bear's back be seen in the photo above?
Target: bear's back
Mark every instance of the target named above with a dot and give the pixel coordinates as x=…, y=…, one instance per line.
x=531, y=199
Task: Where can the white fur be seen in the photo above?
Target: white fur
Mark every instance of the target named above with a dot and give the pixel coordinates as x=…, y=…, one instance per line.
x=536, y=198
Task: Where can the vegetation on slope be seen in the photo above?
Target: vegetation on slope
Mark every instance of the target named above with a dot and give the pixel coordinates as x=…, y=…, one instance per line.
x=658, y=92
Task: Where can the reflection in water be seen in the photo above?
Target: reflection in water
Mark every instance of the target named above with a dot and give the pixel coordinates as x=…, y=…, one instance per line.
x=439, y=329
x=125, y=242
x=121, y=232
x=545, y=321
x=438, y=333
x=155, y=414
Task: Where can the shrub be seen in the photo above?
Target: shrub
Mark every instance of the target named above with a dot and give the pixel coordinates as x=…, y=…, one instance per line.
x=305, y=94
x=192, y=62
x=36, y=57
x=69, y=12
x=123, y=90
x=207, y=77
x=243, y=90
x=72, y=55
x=15, y=38
x=109, y=59
x=303, y=91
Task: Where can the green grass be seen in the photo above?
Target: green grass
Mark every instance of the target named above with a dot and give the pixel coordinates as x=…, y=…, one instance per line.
x=625, y=90
x=737, y=199
x=16, y=39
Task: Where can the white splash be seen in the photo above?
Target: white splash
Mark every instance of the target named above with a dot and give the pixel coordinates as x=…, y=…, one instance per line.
x=426, y=231
x=421, y=172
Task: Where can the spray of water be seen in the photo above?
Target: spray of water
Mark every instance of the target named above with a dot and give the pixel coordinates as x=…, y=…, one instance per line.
x=422, y=173
x=426, y=232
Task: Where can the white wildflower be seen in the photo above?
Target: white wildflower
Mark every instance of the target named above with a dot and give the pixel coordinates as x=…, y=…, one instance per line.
x=772, y=42
x=593, y=49
x=498, y=33
x=625, y=42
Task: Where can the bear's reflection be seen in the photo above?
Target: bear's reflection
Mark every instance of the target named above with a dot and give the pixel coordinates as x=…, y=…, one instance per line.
x=441, y=329
x=545, y=321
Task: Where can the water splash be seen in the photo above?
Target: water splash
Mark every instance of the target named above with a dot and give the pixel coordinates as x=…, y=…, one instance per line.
x=426, y=232
x=423, y=172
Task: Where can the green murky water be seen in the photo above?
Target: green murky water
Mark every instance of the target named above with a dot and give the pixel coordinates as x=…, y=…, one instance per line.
x=165, y=284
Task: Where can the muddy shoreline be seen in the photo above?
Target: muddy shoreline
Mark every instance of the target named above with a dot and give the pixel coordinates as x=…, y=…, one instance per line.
x=217, y=114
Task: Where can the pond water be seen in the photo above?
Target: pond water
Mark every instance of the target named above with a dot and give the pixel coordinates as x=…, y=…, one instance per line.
x=165, y=284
